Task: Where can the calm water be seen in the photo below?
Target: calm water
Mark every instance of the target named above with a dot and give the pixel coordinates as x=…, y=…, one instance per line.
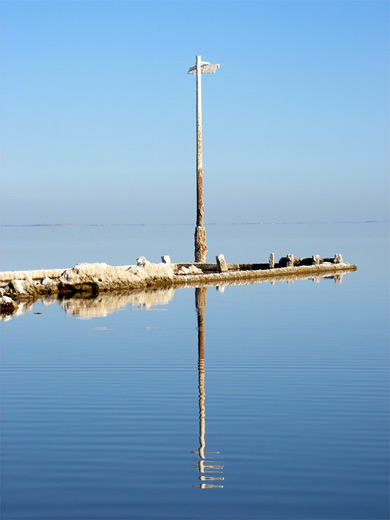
x=246, y=402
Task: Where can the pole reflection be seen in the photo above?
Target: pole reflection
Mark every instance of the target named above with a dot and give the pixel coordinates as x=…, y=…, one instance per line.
x=210, y=469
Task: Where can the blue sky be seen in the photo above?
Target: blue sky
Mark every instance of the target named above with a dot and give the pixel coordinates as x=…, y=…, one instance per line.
x=98, y=112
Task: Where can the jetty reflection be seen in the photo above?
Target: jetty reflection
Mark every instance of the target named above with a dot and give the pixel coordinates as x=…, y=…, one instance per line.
x=106, y=303
x=210, y=468
x=86, y=306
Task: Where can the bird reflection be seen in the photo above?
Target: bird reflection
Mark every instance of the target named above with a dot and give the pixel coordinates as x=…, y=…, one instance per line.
x=210, y=469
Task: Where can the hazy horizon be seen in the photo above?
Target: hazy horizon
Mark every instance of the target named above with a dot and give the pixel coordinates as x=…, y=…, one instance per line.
x=238, y=223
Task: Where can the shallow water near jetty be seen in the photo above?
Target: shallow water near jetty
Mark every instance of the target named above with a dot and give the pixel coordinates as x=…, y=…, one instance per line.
x=244, y=402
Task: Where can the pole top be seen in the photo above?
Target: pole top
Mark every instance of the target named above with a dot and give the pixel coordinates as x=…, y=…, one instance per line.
x=205, y=68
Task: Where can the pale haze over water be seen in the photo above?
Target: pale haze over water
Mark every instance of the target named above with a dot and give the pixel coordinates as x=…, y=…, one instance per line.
x=275, y=395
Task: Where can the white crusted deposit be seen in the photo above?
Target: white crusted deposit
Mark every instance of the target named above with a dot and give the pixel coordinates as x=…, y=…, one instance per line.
x=108, y=277
x=192, y=269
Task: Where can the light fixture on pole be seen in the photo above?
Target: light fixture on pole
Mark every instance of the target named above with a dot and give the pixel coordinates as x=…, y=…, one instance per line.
x=201, y=67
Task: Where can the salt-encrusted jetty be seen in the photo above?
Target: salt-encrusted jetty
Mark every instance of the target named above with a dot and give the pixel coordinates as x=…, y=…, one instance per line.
x=87, y=279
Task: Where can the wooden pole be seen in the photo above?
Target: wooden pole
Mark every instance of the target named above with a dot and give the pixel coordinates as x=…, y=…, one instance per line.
x=200, y=231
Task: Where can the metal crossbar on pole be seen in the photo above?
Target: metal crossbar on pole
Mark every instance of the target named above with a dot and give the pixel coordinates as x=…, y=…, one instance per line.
x=201, y=67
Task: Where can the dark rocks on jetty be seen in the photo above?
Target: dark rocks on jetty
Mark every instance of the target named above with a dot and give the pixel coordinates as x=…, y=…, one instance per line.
x=91, y=279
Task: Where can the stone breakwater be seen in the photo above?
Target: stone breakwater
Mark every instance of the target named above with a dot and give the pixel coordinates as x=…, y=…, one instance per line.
x=92, y=279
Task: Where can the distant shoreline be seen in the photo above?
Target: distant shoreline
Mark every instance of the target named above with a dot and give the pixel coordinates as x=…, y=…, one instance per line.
x=302, y=223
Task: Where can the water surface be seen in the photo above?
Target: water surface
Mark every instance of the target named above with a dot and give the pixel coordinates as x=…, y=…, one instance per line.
x=239, y=402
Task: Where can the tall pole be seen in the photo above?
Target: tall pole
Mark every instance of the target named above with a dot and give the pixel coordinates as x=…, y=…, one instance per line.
x=201, y=67
x=200, y=231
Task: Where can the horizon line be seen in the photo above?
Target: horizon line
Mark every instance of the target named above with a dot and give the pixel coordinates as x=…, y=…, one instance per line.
x=247, y=223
